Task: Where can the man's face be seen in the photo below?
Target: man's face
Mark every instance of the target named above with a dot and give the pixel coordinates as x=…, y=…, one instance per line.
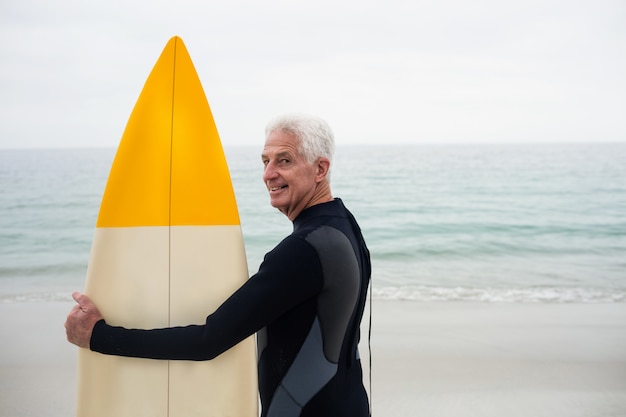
x=289, y=178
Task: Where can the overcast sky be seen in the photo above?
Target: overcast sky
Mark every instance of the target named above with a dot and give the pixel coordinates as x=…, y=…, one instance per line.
x=392, y=71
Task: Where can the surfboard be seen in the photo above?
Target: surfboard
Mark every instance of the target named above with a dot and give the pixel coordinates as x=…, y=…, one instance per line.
x=167, y=251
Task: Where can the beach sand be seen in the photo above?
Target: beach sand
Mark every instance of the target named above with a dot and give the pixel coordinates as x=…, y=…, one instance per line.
x=429, y=359
x=458, y=359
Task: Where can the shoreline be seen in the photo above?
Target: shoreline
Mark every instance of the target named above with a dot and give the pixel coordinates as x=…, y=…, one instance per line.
x=453, y=359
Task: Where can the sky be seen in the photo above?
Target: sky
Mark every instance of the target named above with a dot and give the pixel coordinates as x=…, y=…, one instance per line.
x=380, y=72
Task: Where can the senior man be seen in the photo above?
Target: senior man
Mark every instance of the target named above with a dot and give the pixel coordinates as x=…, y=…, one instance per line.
x=306, y=301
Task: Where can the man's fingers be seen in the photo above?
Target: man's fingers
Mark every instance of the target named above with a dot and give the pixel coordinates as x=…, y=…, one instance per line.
x=84, y=303
x=78, y=297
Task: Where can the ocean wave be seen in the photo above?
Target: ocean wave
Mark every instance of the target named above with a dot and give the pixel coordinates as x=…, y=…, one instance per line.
x=550, y=295
x=35, y=297
x=501, y=295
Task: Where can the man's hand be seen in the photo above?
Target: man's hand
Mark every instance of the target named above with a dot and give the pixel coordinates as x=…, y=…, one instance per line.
x=80, y=321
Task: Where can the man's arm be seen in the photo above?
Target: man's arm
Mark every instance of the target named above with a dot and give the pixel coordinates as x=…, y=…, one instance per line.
x=281, y=284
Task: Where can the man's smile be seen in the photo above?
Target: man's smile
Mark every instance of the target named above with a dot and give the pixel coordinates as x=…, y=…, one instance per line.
x=271, y=189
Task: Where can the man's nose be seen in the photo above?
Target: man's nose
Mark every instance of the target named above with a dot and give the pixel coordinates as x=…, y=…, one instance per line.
x=269, y=172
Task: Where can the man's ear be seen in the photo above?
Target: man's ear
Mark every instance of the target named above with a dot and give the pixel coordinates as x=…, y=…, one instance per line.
x=323, y=167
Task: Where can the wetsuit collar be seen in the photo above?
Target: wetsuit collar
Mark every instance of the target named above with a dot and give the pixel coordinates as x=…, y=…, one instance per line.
x=330, y=208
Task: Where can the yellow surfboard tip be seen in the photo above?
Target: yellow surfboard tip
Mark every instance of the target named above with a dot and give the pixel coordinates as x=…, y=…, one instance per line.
x=170, y=168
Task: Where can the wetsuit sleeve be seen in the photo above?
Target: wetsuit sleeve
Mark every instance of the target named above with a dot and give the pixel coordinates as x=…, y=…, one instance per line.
x=281, y=284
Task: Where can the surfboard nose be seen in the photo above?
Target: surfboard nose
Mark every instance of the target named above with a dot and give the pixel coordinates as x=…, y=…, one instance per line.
x=170, y=167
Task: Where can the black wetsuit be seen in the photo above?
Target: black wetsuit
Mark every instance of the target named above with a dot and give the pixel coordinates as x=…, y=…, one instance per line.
x=306, y=303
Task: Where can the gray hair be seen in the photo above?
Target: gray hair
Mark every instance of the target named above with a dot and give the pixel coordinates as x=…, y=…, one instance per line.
x=314, y=134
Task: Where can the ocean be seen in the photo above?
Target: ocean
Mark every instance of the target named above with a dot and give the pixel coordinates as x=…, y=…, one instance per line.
x=494, y=223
